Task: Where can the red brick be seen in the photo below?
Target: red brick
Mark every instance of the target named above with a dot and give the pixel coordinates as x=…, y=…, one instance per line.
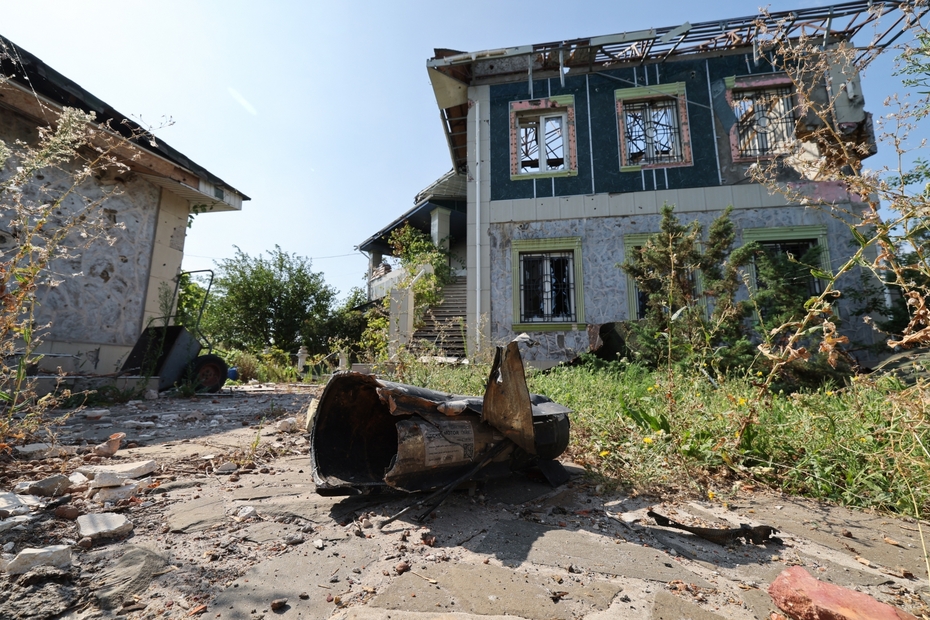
x=803, y=597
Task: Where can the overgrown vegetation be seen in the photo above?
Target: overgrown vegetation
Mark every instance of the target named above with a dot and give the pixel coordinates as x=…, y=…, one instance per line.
x=427, y=270
x=855, y=444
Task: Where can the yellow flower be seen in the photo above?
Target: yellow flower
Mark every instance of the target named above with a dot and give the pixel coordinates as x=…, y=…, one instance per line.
x=830, y=393
x=742, y=401
x=759, y=374
x=605, y=452
x=649, y=389
x=647, y=440
x=710, y=495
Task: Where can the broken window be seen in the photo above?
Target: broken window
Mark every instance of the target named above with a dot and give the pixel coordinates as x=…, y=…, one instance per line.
x=547, y=289
x=541, y=143
x=653, y=126
x=543, y=137
x=547, y=286
x=764, y=121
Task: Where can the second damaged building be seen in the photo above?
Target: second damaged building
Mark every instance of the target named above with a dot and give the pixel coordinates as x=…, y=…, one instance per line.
x=564, y=153
x=369, y=435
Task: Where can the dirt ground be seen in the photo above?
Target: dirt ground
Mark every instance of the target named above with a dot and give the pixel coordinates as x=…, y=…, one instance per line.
x=228, y=525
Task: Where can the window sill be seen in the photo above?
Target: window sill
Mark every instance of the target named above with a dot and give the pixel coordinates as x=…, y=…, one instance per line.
x=549, y=327
x=544, y=175
x=659, y=166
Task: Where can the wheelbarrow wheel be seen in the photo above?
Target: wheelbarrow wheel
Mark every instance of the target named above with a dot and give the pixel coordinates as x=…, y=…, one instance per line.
x=207, y=373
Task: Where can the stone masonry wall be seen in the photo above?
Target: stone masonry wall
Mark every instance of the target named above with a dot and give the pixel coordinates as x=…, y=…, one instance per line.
x=605, y=285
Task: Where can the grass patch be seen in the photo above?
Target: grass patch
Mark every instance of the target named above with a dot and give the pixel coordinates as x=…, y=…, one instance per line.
x=863, y=444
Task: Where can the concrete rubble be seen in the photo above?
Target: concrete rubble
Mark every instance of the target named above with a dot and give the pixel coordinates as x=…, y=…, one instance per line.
x=58, y=556
x=223, y=521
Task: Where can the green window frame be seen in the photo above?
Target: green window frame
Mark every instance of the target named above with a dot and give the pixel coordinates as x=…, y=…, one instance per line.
x=653, y=122
x=630, y=243
x=790, y=233
x=633, y=241
x=546, y=253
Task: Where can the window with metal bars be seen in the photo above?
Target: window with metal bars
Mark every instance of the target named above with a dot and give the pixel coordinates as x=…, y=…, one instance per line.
x=547, y=287
x=652, y=132
x=541, y=142
x=765, y=120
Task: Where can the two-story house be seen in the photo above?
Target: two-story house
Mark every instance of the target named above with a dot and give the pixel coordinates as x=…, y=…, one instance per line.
x=568, y=151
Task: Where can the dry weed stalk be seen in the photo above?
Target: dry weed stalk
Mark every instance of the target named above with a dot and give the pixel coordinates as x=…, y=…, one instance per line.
x=52, y=208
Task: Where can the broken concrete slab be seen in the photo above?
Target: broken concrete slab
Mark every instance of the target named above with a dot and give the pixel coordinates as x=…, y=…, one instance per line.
x=11, y=522
x=126, y=470
x=369, y=613
x=670, y=607
x=494, y=590
x=197, y=514
x=311, y=507
x=262, y=532
x=841, y=528
x=11, y=502
x=53, y=486
x=103, y=525
x=124, y=491
x=44, y=592
x=35, y=451
x=275, y=578
x=103, y=479
x=58, y=556
x=514, y=542
x=131, y=574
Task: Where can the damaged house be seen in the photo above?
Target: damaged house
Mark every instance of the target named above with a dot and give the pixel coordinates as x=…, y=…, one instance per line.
x=109, y=292
x=564, y=153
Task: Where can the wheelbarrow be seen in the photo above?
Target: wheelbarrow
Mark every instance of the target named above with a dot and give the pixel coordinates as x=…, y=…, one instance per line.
x=173, y=352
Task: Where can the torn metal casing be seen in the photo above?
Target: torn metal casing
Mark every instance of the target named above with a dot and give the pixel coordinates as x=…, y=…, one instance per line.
x=368, y=434
x=507, y=405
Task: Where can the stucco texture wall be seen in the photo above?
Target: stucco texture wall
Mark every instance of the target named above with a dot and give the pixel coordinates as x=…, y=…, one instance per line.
x=101, y=286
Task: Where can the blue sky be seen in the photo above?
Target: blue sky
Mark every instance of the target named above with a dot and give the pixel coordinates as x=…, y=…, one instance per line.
x=321, y=112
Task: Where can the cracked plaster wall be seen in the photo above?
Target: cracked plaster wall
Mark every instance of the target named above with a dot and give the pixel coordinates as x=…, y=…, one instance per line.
x=96, y=310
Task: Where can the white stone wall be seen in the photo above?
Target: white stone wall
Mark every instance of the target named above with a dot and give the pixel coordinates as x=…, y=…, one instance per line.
x=602, y=221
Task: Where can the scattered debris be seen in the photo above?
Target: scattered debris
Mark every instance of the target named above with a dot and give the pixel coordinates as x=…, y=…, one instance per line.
x=103, y=525
x=757, y=535
x=109, y=447
x=58, y=556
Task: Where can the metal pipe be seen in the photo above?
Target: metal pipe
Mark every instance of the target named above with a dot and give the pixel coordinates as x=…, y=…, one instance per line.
x=477, y=225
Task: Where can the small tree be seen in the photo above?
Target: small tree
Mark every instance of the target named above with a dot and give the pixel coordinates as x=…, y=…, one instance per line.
x=267, y=301
x=691, y=286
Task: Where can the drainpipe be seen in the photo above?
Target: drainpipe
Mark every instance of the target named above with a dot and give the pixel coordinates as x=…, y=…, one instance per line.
x=478, y=226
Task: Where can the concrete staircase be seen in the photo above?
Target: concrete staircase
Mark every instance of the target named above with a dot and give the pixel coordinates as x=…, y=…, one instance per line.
x=443, y=330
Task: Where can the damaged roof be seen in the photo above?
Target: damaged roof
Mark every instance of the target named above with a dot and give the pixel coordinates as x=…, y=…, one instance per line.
x=447, y=191
x=29, y=73
x=452, y=72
